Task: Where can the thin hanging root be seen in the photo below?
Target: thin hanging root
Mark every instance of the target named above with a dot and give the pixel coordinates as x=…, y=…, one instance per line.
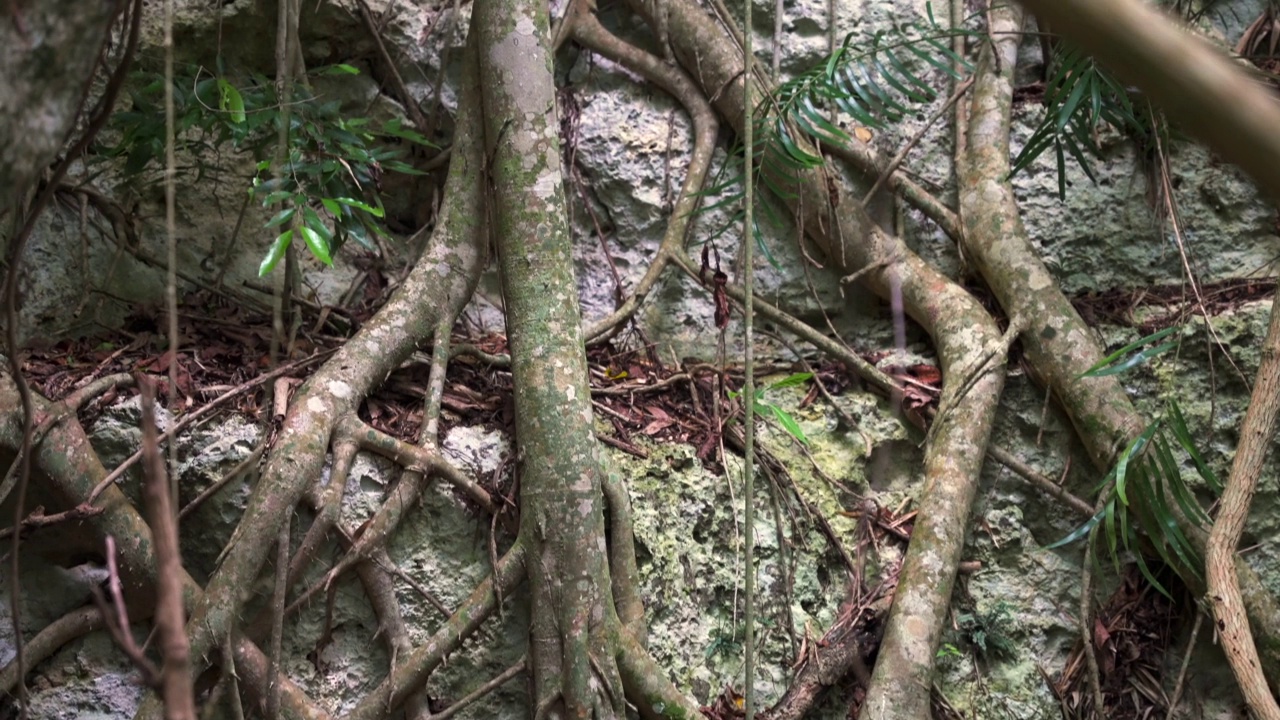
x=804, y=331
x=179, y=695
x=116, y=617
x=1092, y=674
x=1178, y=684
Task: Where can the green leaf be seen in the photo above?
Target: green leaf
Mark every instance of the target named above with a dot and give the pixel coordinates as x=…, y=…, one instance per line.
x=374, y=211
x=1131, y=453
x=822, y=127
x=803, y=158
x=275, y=253
x=276, y=197
x=332, y=206
x=1162, y=527
x=312, y=220
x=402, y=168
x=1068, y=108
x=1179, y=426
x=788, y=423
x=1079, y=532
x=318, y=246
x=1171, y=475
x=792, y=380
x=1112, y=364
x=911, y=88
x=1146, y=573
x=356, y=229
x=405, y=134
x=339, y=69
x=1109, y=529
x=1062, y=168
x=281, y=217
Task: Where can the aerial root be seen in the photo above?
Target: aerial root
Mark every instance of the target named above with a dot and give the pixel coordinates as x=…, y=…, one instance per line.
x=586, y=29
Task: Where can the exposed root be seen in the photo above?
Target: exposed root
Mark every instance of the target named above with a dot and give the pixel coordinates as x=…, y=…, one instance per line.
x=414, y=668
x=483, y=690
x=72, y=626
x=622, y=558
x=843, y=649
x=587, y=30
x=189, y=418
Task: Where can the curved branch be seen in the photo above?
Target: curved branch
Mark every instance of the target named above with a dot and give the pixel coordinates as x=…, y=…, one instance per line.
x=588, y=31
x=1191, y=80
x=1224, y=590
x=412, y=671
x=963, y=333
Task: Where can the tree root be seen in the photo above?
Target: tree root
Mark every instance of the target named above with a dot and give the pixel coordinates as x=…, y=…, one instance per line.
x=73, y=470
x=587, y=30
x=441, y=282
x=1058, y=344
x=72, y=626
x=412, y=671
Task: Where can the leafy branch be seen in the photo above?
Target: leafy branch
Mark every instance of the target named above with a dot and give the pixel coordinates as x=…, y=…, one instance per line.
x=874, y=85
x=332, y=176
x=1146, y=474
x=765, y=408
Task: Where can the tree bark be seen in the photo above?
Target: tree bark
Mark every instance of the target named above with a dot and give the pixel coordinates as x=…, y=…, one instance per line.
x=571, y=644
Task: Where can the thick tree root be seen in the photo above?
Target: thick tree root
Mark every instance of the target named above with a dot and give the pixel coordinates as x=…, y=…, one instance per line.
x=69, y=462
x=1058, y=344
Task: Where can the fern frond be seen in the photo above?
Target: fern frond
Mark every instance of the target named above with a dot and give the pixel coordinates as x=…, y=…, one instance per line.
x=874, y=86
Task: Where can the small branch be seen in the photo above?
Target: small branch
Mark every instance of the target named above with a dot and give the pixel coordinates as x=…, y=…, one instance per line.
x=1047, y=485
x=37, y=519
x=892, y=167
x=483, y=690
x=179, y=695
x=116, y=619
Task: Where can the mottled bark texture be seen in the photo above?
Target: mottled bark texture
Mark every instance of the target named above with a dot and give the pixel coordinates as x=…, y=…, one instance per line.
x=1059, y=345
x=572, y=647
x=67, y=467
x=1224, y=589
x=1195, y=83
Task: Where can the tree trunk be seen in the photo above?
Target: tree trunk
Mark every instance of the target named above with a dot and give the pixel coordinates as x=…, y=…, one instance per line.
x=571, y=643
